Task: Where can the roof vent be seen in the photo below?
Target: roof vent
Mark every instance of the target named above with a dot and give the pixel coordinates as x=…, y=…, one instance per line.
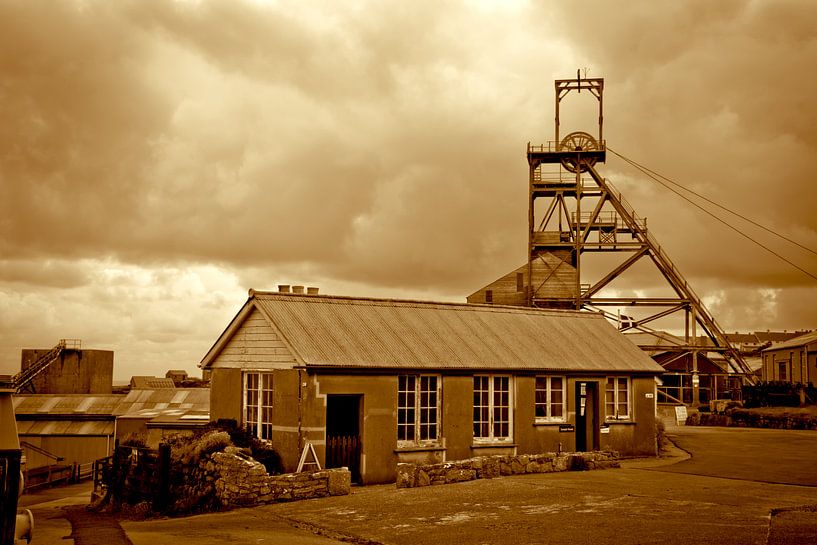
x=298, y=289
x=283, y=288
x=312, y=290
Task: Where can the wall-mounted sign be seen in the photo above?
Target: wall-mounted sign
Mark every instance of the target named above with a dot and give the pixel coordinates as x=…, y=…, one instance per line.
x=649, y=396
x=605, y=429
x=566, y=427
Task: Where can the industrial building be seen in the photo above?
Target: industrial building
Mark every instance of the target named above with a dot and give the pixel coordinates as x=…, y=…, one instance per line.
x=794, y=360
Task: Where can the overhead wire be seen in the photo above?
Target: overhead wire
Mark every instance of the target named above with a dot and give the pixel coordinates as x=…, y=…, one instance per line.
x=657, y=178
x=710, y=201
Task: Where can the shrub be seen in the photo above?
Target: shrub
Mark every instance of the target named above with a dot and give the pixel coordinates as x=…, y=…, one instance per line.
x=189, y=450
x=260, y=450
x=776, y=394
x=134, y=440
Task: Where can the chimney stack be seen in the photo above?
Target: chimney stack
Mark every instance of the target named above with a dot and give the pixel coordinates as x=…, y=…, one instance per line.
x=298, y=289
x=312, y=290
x=283, y=288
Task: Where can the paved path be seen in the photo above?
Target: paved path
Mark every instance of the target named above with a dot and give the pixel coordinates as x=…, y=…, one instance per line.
x=760, y=455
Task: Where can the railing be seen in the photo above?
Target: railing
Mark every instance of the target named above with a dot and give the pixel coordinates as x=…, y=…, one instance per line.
x=24, y=377
x=561, y=177
x=57, y=474
x=552, y=146
x=610, y=218
x=71, y=344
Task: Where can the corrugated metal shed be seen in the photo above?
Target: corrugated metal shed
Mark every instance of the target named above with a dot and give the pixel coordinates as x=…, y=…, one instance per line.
x=65, y=427
x=345, y=332
x=80, y=404
x=151, y=403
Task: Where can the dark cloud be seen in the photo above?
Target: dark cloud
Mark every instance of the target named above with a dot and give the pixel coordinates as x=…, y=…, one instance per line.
x=376, y=148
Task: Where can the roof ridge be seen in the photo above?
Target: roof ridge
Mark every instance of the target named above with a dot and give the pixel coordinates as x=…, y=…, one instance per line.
x=417, y=303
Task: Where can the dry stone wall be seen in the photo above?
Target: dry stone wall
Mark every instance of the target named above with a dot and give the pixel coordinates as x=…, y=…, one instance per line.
x=488, y=467
x=242, y=481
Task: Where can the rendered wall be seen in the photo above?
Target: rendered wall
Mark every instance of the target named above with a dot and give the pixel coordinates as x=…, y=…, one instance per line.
x=225, y=394
x=378, y=392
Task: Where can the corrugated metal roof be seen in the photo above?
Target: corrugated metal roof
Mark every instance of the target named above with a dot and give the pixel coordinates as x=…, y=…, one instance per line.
x=64, y=427
x=67, y=404
x=802, y=340
x=378, y=333
x=138, y=401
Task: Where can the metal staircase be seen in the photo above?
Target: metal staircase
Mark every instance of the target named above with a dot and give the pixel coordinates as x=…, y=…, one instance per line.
x=24, y=378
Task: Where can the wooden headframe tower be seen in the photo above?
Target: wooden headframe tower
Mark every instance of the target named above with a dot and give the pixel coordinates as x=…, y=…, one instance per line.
x=574, y=212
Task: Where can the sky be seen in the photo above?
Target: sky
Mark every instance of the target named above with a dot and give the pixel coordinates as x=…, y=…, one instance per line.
x=160, y=158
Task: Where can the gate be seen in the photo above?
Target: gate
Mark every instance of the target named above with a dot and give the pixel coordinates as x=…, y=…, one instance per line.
x=344, y=451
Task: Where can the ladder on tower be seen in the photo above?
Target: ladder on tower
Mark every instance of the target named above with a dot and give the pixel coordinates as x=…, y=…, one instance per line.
x=671, y=272
x=24, y=378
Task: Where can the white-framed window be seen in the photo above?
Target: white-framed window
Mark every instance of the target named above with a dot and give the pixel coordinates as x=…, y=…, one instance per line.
x=617, y=398
x=493, y=417
x=418, y=409
x=258, y=404
x=550, y=401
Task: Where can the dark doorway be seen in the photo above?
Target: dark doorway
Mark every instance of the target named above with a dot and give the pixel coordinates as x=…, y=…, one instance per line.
x=343, y=445
x=587, y=416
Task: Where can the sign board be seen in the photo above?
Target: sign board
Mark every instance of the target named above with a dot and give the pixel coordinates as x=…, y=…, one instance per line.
x=649, y=396
x=681, y=414
x=566, y=427
x=605, y=429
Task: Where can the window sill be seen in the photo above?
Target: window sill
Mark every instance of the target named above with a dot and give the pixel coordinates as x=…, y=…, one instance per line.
x=420, y=448
x=550, y=422
x=620, y=422
x=493, y=445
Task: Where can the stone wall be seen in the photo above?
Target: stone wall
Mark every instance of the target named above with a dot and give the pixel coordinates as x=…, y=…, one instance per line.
x=746, y=418
x=487, y=467
x=241, y=481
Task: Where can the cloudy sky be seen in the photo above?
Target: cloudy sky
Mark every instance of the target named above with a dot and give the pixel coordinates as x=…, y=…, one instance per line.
x=159, y=158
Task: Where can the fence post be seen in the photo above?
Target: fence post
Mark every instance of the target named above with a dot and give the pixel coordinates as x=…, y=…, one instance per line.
x=117, y=476
x=162, y=498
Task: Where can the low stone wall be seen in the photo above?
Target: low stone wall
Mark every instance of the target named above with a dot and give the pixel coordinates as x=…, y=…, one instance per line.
x=748, y=419
x=488, y=467
x=242, y=481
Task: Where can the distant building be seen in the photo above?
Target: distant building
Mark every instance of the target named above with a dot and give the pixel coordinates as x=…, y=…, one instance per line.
x=78, y=429
x=176, y=375
x=374, y=382
x=74, y=370
x=794, y=360
x=151, y=383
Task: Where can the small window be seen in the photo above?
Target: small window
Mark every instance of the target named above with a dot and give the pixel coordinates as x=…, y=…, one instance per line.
x=258, y=395
x=617, y=398
x=489, y=296
x=520, y=281
x=781, y=370
x=492, y=408
x=550, y=399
